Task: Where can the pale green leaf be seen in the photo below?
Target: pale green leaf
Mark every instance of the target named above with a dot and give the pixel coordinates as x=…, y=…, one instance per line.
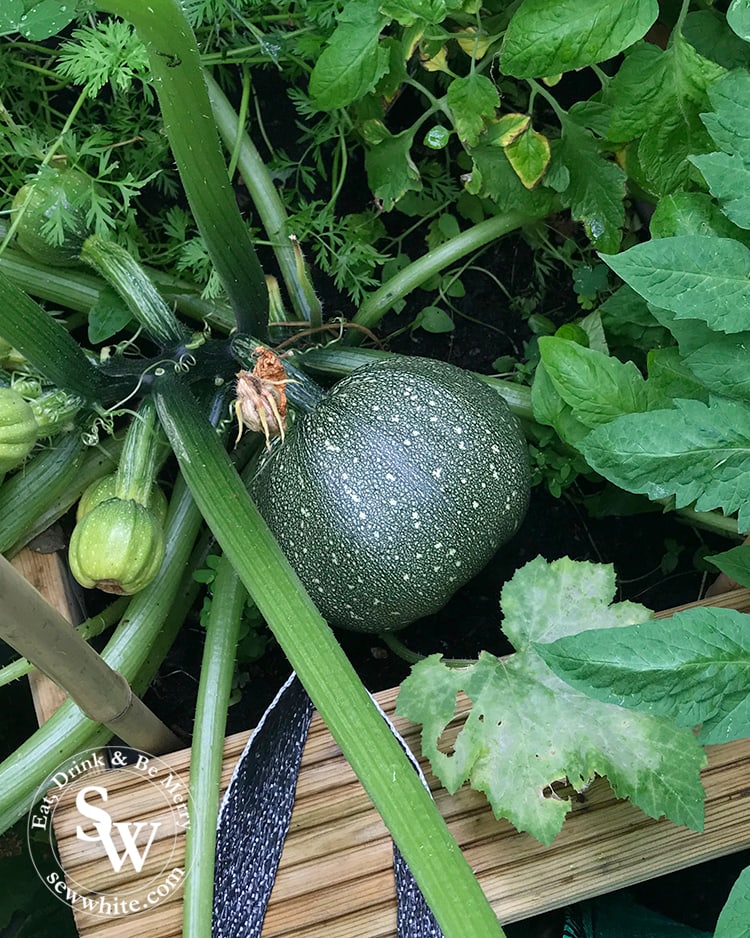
x=721, y=365
x=472, y=100
x=728, y=122
x=596, y=191
x=735, y=563
x=547, y=37
x=46, y=18
x=738, y=17
x=734, y=920
x=728, y=179
x=551, y=410
x=695, y=277
x=691, y=213
x=693, y=668
x=696, y=452
x=353, y=61
x=596, y=386
x=527, y=728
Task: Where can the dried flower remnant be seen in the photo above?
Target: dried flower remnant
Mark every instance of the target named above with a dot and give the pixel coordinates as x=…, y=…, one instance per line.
x=261, y=400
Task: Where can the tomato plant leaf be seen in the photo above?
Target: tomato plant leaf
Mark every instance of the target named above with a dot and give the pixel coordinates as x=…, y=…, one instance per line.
x=596, y=189
x=696, y=452
x=728, y=179
x=738, y=18
x=353, y=61
x=691, y=213
x=693, y=276
x=527, y=728
x=529, y=155
x=498, y=181
x=694, y=669
x=721, y=365
x=658, y=95
x=597, y=387
x=734, y=920
x=409, y=12
x=472, y=100
x=735, y=562
x=391, y=172
x=547, y=37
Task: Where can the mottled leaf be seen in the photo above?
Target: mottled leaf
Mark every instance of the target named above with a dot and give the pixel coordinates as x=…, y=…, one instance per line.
x=527, y=728
x=472, y=100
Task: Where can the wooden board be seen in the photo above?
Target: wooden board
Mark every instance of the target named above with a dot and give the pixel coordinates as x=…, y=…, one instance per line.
x=335, y=878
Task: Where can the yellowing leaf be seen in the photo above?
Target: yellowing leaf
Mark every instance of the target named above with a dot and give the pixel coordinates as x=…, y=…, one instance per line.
x=475, y=46
x=529, y=156
x=509, y=127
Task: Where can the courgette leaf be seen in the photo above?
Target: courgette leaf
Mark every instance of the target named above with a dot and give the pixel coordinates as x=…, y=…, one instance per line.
x=695, y=670
x=527, y=728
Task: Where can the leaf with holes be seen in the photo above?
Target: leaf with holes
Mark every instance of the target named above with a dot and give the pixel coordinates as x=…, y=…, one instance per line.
x=527, y=728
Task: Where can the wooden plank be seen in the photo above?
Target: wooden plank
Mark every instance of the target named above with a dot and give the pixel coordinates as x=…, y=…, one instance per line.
x=335, y=879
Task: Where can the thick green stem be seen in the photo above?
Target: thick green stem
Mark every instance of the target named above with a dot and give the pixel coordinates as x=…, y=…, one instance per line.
x=378, y=303
x=446, y=880
x=180, y=86
x=268, y=204
x=130, y=651
x=217, y=669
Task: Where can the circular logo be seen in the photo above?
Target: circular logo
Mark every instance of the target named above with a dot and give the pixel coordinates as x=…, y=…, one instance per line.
x=115, y=821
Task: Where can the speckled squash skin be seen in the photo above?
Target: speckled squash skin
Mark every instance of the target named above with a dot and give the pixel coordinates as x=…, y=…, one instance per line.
x=395, y=490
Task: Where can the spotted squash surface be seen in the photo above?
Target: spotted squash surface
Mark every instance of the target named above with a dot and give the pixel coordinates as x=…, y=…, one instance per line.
x=395, y=490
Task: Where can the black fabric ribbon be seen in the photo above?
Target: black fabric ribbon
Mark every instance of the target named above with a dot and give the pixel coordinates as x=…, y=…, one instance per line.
x=254, y=821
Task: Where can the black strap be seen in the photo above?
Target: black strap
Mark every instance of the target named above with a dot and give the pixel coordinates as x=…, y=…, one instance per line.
x=254, y=821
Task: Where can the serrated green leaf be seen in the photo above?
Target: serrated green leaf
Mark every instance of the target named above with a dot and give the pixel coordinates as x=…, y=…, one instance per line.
x=596, y=190
x=658, y=95
x=692, y=276
x=529, y=156
x=734, y=920
x=472, y=100
x=670, y=379
x=728, y=180
x=527, y=728
x=738, y=18
x=691, y=213
x=728, y=122
x=693, y=669
x=409, y=12
x=721, y=365
x=391, y=172
x=596, y=386
x=699, y=453
x=735, y=563
x=547, y=37
x=353, y=61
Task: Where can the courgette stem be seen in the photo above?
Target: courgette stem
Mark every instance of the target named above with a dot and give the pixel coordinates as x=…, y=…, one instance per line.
x=377, y=304
x=135, y=649
x=128, y=278
x=47, y=345
x=268, y=204
x=50, y=483
x=447, y=881
x=179, y=83
x=92, y=627
x=214, y=689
